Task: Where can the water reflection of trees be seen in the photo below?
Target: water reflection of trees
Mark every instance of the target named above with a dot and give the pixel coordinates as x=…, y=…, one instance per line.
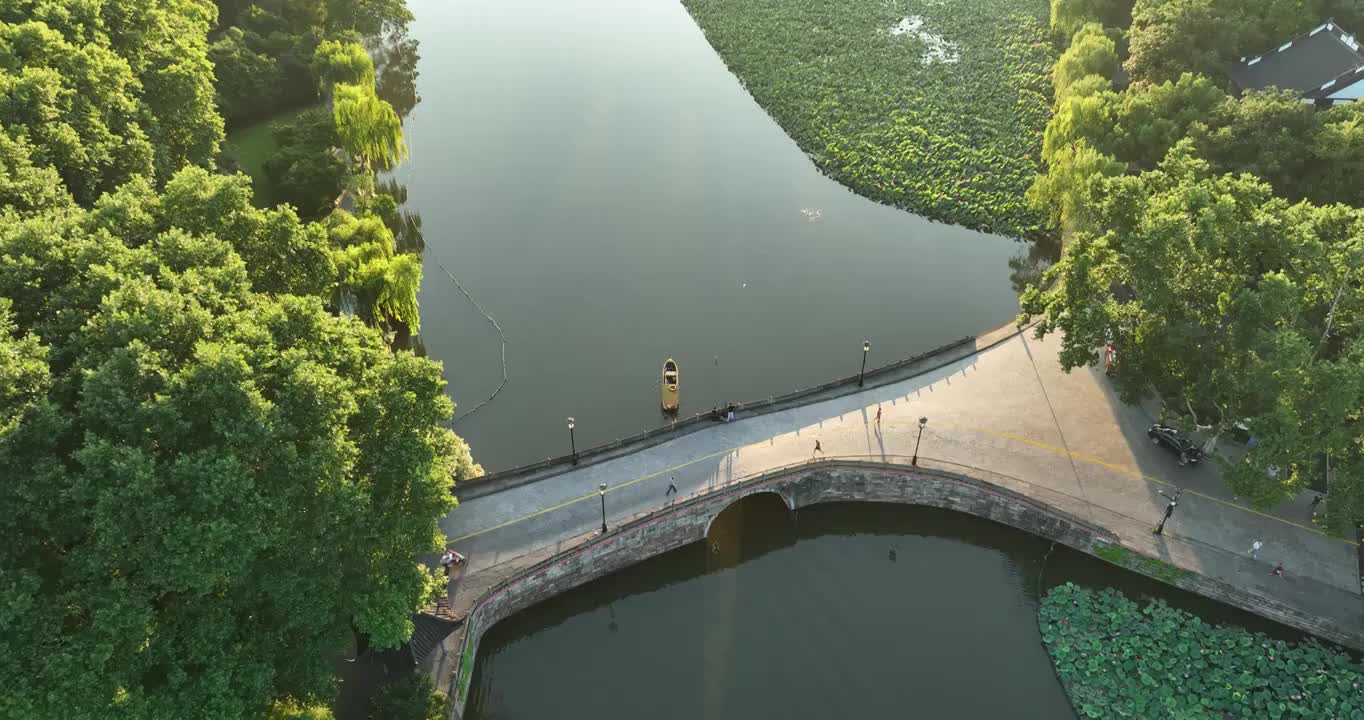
x=1026, y=266
x=395, y=70
x=405, y=222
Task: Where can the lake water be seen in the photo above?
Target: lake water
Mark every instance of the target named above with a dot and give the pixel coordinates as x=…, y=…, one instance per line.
x=857, y=611
x=606, y=189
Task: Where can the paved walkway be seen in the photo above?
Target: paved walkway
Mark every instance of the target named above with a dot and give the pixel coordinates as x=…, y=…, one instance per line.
x=1008, y=410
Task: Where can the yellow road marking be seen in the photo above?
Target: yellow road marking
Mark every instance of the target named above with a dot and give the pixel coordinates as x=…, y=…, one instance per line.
x=1137, y=474
x=1004, y=435
x=589, y=496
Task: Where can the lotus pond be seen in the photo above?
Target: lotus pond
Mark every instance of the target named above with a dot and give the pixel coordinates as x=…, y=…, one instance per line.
x=1119, y=659
x=932, y=106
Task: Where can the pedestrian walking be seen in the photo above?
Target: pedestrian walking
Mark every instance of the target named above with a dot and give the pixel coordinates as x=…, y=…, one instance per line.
x=450, y=557
x=1278, y=570
x=878, y=417
x=1169, y=510
x=1316, y=500
x=1255, y=549
x=818, y=449
x=672, y=486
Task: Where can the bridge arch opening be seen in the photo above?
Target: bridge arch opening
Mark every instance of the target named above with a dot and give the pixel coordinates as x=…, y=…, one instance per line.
x=753, y=525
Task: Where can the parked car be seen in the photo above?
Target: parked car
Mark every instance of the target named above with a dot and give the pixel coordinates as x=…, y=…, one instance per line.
x=1176, y=442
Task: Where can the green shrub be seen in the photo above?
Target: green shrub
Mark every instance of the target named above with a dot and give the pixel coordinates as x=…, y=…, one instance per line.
x=408, y=698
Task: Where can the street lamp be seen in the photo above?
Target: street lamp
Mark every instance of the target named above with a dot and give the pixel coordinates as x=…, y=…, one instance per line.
x=601, y=490
x=866, y=348
x=572, y=443
x=922, y=422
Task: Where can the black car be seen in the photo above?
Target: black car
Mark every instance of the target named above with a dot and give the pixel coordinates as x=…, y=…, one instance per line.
x=1176, y=442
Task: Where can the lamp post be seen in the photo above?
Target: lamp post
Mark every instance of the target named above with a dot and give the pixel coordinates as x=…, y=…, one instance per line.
x=866, y=348
x=572, y=443
x=1169, y=510
x=601, y=490
x=922, y=422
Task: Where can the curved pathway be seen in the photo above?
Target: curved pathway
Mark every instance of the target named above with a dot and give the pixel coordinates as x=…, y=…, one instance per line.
x=1007, y=411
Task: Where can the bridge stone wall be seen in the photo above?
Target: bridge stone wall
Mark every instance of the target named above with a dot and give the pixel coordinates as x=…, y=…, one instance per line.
x=687, y=522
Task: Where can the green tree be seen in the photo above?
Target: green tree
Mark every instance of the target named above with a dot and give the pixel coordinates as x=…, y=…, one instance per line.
x=309, y=170
x=343, y=62
x=177, y=81
x=410, y=697
x=1068, y=16
x=291, y=709
x=381, y=282
x=207, y=487
x=1231, y=304
x=366, y=17
x=25, y=186
x=75, y=106
x=88, y=84
x=1066, y=190
x=1152, y=118
x=24, y=375
x=1087, y=116
x=248, y=82
x=1091, y=52
x=1171, y=37
x=282, y=254
x=1268, y=133
x=1338, y=157
x=368, y=127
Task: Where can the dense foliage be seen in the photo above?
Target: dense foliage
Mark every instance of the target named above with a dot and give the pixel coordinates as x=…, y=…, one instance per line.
x=102, y=92
x=1232, y=303
x=1119, y=660
x=210, y=479
x=266, y=49
x=942, y=117
x=410, y=697
x=1171, y=37
x=368, y=127
x=1183, y=245
x=1068, y=16
x=307, y=171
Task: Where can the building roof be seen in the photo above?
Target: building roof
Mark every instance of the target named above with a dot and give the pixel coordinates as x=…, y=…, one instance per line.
x=1314, y=64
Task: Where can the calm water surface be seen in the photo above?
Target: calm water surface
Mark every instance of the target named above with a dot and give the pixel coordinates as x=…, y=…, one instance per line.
x=856, y=611
x=595, y=176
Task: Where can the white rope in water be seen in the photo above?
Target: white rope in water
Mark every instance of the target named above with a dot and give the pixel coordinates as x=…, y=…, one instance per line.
x=500, y=334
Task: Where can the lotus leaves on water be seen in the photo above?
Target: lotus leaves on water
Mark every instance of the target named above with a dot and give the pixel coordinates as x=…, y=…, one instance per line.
x=931, y=106
x=1117, y=659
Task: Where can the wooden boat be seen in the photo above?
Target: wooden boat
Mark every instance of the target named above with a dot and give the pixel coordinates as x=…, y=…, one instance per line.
x=671, y=399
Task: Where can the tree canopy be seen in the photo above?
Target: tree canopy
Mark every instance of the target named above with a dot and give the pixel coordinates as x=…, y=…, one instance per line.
x=368, y=127
x=1231, y=302
x=213, y=475
x=207, y=485
x=87, y=88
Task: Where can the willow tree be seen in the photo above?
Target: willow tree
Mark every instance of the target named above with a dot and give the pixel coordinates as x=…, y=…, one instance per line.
x=381, y=282
x=368, y=127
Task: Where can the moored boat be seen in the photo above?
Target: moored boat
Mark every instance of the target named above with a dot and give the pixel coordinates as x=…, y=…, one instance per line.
x=671, y=394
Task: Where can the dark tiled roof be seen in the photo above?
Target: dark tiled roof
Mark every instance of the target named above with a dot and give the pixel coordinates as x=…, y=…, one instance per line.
x=1314, y=64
